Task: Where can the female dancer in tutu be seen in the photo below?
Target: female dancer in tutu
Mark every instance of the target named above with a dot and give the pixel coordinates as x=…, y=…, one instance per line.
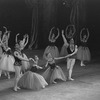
x=72, y=49
x=7, y=59
x=31, y=79
x=52, y=48
x=83, y=53
x=23, y=43
x=18, y=55
x=53, y=72
x=35, y=65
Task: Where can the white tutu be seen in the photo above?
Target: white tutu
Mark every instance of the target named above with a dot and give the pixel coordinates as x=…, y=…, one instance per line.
x=83, y=54
x=7, y=63
x=53, y=50
x=52, y=74
x=31, y=80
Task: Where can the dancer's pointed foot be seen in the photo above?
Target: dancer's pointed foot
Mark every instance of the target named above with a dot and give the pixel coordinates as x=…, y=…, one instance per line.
x=54, y=82
x=15, y=89
x=82, y=64
x=71, y=79
x=43, y=87
x=8, y=77
x=18, y=88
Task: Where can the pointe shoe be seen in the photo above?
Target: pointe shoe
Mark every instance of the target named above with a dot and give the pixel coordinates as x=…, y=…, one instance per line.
x=43, y=87
x=15, y=89
x=71, y=79
x=18, y=88
x=8, y=77
x=54, y=82
x=82, y=64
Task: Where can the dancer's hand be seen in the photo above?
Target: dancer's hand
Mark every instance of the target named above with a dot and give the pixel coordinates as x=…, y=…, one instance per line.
x=31, y=59
x=38, y=67
x=62, y=32
x=57, y=66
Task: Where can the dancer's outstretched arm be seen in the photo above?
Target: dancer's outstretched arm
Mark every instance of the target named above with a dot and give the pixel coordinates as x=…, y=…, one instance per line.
x=76, y=49
x=35, y=63
x=69, y=55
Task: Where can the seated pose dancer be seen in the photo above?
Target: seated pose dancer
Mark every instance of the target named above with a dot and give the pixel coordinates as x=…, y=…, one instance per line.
x=53, y=72
x=31, y=79
x=83, y=53
x=23, y=43
x=7, y=60
x=18, y=55
x=35, y=65
x=52, y=39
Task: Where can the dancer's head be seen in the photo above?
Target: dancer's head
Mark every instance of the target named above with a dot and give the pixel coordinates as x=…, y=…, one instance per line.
x=54, y=34
x=36, y=58
x=21, y=43
x=70, y=31
x=72, y=45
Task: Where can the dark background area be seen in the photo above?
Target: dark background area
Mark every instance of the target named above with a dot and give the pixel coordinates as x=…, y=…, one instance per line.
x=16, y=15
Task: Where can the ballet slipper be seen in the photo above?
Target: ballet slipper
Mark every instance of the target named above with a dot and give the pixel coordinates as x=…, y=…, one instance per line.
x=71, y=79
x=54, y=82
x=15, y=89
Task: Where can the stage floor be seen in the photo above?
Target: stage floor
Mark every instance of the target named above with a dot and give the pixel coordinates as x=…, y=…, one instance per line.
x=86, y=85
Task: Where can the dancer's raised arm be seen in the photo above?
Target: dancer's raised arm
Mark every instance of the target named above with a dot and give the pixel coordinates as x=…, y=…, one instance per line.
x=87, y=35
x=64, y=39
x=26, y=38
x=16, y=39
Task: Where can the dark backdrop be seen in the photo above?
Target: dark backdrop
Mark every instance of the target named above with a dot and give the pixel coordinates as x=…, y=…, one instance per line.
x=16, y=15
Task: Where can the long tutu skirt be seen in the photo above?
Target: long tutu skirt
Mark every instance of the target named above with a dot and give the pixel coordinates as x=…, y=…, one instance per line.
x=7, y=63
x=25, y=64
x=63, y=51
x=83, y=54
x=50, y=75
x=53, y=50
x=31, y=80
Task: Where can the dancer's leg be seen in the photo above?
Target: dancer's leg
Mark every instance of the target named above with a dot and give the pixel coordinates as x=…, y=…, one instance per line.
x=82, y=63
x=70, y=66
x=17, y=77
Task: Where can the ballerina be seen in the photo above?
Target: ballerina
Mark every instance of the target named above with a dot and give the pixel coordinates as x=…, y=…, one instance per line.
x=53, y=72
x=18, y=55
x=52, y=48
x=7, y=59
x=31, y=79
x=71, y=58
x=35, y=65
x=23, y=43
x=83, y=53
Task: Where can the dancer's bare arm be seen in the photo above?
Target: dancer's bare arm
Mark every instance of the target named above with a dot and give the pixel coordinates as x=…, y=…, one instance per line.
x=20, y=57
